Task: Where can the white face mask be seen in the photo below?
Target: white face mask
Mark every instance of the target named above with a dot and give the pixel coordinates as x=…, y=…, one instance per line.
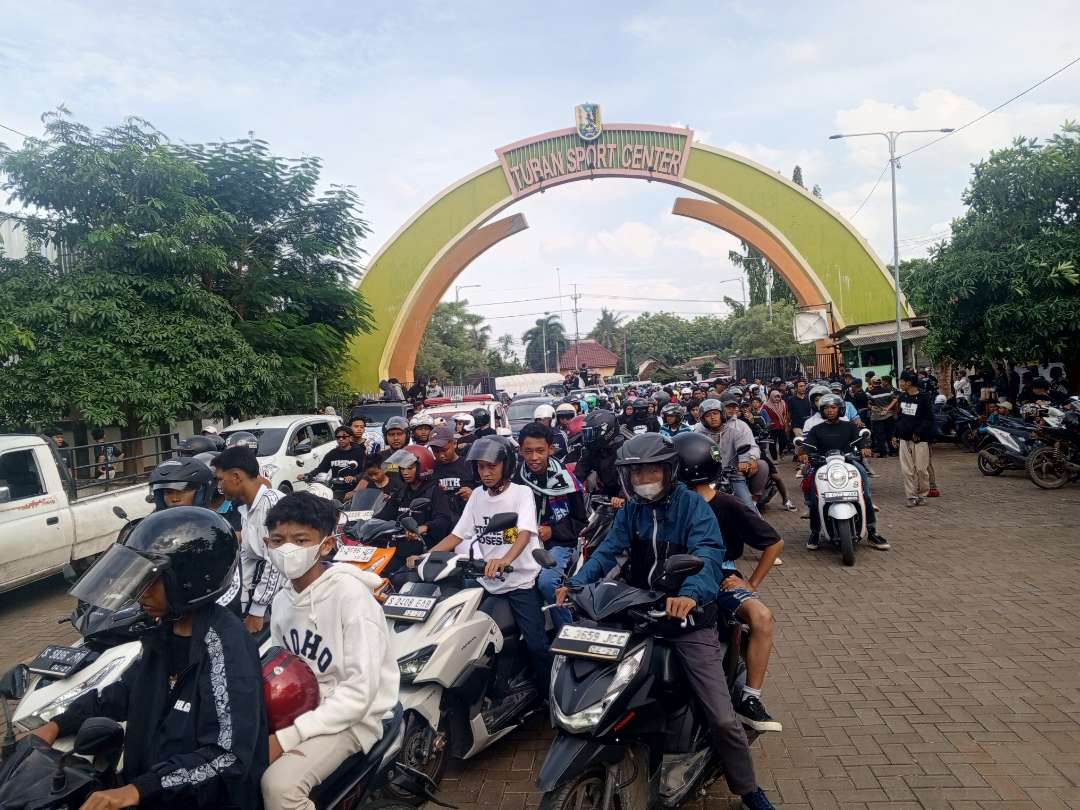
x=292, y=560
x=649, y=491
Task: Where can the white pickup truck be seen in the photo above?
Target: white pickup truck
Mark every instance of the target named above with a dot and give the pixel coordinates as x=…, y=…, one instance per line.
x=43, y=526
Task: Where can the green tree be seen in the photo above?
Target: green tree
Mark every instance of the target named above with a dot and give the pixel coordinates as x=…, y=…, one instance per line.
x=1005, y=284
x=608, y=332
x=549, y=328
x=455, y=346
x=169, y=289
x=506, y=347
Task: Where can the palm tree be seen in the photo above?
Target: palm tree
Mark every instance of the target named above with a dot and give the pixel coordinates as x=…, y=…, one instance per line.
x=608, y=330
x=550, y=328
x=505, y=345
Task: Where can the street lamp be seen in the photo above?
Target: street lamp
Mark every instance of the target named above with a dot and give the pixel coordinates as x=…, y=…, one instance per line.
x=459, y=287
x=891, y=137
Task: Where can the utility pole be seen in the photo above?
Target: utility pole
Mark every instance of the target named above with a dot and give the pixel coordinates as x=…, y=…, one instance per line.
x=577, y=331
x=315, y=389
x=544, y=329
x=625, y=354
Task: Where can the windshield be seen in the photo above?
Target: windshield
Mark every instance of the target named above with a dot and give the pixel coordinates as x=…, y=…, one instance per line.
x=523, y=410
x=378, y=414
x=270, y=439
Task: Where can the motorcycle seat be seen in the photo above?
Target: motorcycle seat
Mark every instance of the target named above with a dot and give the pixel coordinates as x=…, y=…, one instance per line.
x=500, y=612
x=359, y=767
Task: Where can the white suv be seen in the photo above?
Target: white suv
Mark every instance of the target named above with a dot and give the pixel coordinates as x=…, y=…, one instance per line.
x=289, y=445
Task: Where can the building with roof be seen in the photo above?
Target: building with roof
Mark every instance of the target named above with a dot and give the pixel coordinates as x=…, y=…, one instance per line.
x=598, y=359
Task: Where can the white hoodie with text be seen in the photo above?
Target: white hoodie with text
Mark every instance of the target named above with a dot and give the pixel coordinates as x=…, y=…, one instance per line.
x=337, y=626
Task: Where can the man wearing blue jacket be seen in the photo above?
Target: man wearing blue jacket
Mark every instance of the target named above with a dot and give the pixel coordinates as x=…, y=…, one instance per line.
x=661, y=518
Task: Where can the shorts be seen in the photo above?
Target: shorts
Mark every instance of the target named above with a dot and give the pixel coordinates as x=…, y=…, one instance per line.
x=728, y=601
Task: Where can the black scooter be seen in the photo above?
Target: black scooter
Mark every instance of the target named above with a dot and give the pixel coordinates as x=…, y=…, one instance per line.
x=628, y=736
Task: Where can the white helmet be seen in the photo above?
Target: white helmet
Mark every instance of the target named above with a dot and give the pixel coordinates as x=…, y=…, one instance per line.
x=544, y=412
x=686, y=391
x=469, y=423
x=439, y=421
x=321, y=491
x=209, y=430
x=566, y=407
x=421, y=420
x=940, y=399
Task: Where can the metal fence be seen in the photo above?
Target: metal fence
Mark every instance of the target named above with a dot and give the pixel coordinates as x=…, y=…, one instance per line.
x=109, y=464
x=786, y=367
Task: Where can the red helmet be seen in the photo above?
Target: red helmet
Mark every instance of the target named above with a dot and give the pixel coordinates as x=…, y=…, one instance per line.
x=289, y=687
x=414, y=454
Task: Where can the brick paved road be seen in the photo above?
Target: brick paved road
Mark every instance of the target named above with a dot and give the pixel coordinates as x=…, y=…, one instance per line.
x=943, y=674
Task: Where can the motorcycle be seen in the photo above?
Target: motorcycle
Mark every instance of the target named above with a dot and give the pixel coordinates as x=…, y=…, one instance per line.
x=465, y=675
x=1058, y=462
x=957, y=422
x=840, y=503
x=1005, y=446
x=627, y=735
x=378, y=546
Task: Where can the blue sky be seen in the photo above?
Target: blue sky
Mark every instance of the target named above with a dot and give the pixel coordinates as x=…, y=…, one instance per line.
x=402, y=99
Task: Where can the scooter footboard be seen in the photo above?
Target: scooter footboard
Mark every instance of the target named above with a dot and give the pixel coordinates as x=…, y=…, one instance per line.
x=571, y=756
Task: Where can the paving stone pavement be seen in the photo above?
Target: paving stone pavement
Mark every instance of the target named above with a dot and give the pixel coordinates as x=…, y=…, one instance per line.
x=943, y=674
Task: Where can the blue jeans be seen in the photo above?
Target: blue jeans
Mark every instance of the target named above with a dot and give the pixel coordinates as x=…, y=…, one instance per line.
x=550, y=579
x=741, y=490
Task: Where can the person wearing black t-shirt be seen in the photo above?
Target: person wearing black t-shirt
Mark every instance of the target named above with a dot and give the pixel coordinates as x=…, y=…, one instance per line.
x=799, y=408
x=346, y=461
x=915, y=428
x=453, y=474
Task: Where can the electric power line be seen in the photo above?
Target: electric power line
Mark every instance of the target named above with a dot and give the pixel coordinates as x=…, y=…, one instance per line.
x=17, y=132
x=871, y=194
x=991, y=112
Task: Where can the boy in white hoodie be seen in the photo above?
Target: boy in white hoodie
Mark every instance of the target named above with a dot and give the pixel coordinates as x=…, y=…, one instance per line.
x=327, y=615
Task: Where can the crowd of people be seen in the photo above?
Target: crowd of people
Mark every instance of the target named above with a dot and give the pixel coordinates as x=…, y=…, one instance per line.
x=197, y=729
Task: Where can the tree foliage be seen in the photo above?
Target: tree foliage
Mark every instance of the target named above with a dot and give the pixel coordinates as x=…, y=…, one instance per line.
x=455, y=346
x=187, y=277
x=548, y=329
x=1006, y=283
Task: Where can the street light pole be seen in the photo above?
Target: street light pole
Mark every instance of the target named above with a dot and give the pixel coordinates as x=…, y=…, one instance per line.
x=891, y=137
x=459, y=287
x=544, y=330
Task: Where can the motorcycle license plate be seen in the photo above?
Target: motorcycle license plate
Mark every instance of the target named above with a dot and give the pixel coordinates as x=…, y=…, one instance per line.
x=840, y=496
x=408, y=608
x=354, y=554
x=590, y=642
x=59, y=662
x=364, y=514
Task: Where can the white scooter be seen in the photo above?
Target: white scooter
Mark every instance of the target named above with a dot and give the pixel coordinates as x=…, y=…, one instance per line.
x=840, y=503
x=465, y=679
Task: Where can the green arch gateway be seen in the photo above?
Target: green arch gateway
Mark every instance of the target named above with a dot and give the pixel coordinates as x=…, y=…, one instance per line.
x=820, y=255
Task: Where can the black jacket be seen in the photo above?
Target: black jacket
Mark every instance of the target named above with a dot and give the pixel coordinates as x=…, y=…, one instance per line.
x=600, y=460
x=436, y=515
x=201, y=743
x=828, y=436
x=916, y=417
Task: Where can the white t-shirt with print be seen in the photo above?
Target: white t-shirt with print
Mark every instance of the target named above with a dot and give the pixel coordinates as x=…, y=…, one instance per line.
x=479, y=509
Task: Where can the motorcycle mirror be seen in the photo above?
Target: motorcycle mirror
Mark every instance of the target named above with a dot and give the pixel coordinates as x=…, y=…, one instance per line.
x=544, y=557
x=419, y=503
x=99, y=736
x=502, y=521
x=409, y=524
x=119, y=512
x=676, y=569
x=864, y=433
x=798, y=441
x=71, y=576
x=13, y=682
x=149, y=498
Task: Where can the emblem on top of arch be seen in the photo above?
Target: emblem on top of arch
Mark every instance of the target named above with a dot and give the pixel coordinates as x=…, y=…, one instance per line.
x=589, y=125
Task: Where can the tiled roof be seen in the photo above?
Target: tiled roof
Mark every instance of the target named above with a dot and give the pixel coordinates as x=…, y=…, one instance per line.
x=588, y=353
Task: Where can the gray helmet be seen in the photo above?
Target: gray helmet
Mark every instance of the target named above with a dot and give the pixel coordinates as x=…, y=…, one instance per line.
x=711, y=404
x=242, y=438
x=399, y=422
x=728, y=398
x=817, y=391
x=830, y=399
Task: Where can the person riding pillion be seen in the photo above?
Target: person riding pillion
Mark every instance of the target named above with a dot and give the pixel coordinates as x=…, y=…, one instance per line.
x=662, y=517
x=672, y=419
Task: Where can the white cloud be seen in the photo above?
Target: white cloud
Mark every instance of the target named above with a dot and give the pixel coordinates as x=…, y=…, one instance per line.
x=631, y=240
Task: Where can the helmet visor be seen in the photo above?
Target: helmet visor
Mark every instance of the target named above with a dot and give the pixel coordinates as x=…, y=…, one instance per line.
x=401, y=458
x=487, y=449
x=117, y=579
x=171, y=485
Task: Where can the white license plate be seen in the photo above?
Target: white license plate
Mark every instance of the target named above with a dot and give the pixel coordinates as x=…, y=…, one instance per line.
x=590, y=642
x=355, y=554
x=594, y=635
x=840, y=496
x=352, y=517
x=410, y=602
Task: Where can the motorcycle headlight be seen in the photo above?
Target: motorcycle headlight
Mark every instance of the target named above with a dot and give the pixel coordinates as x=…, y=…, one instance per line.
x=269, y=470
x=410, y=665
x=838, y=476
x=589, y=717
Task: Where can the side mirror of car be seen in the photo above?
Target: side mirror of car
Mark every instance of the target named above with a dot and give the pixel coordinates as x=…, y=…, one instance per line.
x=13, y=682
x=545, y=558
x=99, y=736
x=5, y=494
x=676, y=569
x=501, y=522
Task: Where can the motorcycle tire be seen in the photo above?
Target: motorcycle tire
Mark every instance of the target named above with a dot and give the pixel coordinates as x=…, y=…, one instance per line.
x=586, y=792
x=1047, y=469
x=846, y=542
x=986, y=463
x=415, y=728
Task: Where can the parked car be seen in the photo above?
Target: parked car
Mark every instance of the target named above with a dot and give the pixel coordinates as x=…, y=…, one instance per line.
x=446, y=408
x=520, y=412
x=375, y=415
x=44, y=524
x=289, y=445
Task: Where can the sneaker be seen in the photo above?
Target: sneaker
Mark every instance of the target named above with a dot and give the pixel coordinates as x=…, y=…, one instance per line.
x=875, y=540
x=934, y=492
x=757, y=801
x=812, y=542
x=912, y=502
x=790, y=506
x=920, y=501
x=751, y=711
x=778, y=561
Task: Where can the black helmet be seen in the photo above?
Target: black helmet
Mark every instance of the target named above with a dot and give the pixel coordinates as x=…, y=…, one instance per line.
x=182, y=473
x=641, y=405
x=482, y=417
x=647, y=448
x=193, y=445
x=242, y=438
x=1071, y=421
x=661, y=399
x=192, y=549
x=491, y=449
x=600, y=427
x=699, y=458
